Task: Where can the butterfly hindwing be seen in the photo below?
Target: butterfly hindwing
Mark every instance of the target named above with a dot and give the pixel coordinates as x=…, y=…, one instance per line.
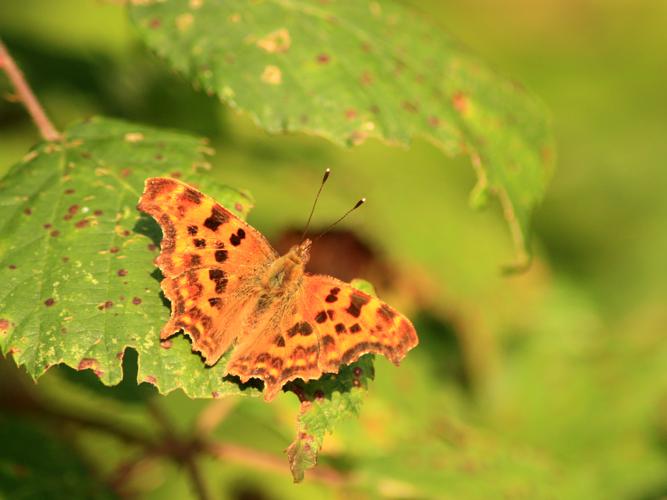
x=286, y=349
x=350, y=323
x=330, y=324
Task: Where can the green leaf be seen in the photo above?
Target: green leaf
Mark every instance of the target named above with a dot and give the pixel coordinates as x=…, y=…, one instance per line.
x=348, y=71
x=35, y=465
x=324, y=403
x=76, y=257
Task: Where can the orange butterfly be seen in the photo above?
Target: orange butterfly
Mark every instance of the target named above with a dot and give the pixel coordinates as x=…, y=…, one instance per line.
x=228, y=287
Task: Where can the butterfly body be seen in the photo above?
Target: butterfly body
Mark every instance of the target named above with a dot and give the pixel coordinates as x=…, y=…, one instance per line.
x=231, y=292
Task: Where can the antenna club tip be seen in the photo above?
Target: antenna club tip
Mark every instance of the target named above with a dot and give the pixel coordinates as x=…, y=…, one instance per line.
x=326, y=175
x=359, y=203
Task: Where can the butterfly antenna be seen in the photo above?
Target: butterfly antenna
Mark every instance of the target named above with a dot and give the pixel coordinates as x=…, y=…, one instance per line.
x=317, y=197
x=357, y=205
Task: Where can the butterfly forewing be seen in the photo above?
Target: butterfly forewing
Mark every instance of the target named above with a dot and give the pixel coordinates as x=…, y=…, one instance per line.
x=208, y=257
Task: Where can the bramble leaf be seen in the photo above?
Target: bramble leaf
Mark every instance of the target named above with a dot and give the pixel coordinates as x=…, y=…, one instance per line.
x=349, y=71
x=324, y=403
x=76, y=258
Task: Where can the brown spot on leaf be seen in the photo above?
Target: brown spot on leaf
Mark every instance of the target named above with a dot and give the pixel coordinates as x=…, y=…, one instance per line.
x=460, y=102
x=27, y=211
x=105, y=305
x=82, y=223
x=12, y=266
x=98, y=212
x=276, y=41
x=49, y=302
x=150, y=379
x=89, y=363
x=323, y=58
x=122, y=272
x=152, y=247
x=154, y=23
x=114, y=249
x=366, y=78
x=357, y=137
x=136, y=301
x=46, y=226
x=165, y=344
x=350, y=114
x=272, y=75
x=410, y=107
x=4, y=325
x=55, y=233
x=69, y=191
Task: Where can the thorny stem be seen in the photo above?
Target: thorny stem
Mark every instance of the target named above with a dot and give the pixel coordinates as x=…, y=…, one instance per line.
x=25, y=95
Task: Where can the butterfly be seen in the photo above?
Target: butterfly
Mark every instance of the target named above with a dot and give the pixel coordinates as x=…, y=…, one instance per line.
x=229, y=289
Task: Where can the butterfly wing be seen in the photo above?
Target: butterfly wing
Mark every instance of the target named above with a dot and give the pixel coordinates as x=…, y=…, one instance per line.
x=328, y=324
x=208, y=257
x=350, y=323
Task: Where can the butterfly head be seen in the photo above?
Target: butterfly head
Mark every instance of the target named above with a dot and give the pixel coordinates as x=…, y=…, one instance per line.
x=300, y=254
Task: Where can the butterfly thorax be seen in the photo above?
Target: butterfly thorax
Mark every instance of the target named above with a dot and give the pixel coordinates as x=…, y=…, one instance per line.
x=286, y=271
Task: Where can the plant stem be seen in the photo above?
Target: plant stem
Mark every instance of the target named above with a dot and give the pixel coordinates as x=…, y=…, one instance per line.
x=196, y=478
x=25, y=94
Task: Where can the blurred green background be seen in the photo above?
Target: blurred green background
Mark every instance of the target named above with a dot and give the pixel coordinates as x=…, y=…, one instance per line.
x=549, y=384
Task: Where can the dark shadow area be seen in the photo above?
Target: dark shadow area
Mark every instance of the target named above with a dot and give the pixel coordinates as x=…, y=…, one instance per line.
x=253, y=383
x=244, y=490
x=127, y=390
x=439, y=341
x=147, y=226
x=340, y=253
x=137, y=90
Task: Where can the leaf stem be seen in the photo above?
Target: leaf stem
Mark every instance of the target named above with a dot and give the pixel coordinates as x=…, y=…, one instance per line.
x=260, y=460
x=25, y=94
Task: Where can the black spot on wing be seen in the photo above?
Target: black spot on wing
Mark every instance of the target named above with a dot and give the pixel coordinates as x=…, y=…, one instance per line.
x=216, y=219
x=220, y=255
x=235, y=239
x=219, y=277
x=357, y=301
